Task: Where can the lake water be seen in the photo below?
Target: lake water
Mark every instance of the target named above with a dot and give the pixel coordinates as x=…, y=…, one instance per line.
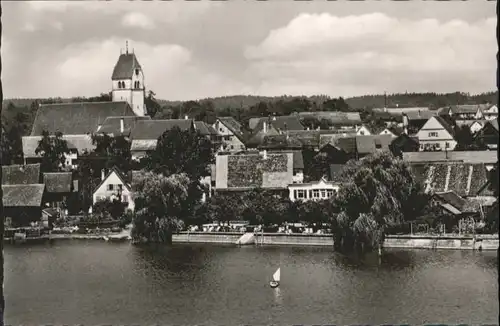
x=79, y=282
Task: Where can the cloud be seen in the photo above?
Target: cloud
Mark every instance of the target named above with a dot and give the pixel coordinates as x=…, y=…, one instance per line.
x=137, y=19
x=354, y=55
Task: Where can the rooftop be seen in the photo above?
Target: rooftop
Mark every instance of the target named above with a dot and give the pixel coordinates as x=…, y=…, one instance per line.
x=76, y=118
x=58, y=182
x=153, y=129
x=125, y=66
x=20, y=174
x=26, y=195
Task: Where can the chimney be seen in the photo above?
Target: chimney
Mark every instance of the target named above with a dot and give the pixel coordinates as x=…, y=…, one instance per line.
x=186, y=117
x=264, y=127
x=122, y=126
x=103, y=175
x=419, y=113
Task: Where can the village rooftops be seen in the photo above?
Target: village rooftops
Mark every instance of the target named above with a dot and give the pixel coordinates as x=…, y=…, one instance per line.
x=58, y=182
x=125, y=66
x=78, y=143
x=400, y=111
x=25, y=195
x=76, y=118
x=486, y=157
x=283, y=123
x=153, y=129
x=334, y=118
x=373, y=143
x=233, y=125
x=464, y=108
x=20, y=174
x=113, y=125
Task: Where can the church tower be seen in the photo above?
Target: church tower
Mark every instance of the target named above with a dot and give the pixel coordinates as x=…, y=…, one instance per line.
x=128, y=83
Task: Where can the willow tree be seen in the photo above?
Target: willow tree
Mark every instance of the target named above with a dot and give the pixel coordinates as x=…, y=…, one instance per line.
x=159, y=202
x=379, y=190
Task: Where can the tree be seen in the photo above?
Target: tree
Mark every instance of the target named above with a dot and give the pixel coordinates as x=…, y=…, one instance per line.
x=152, y=106
x=5, y=149
x=464, y=138
x=180, y=151
x=379, y=191
x=159, y=202
x=115, y=151
x=107, y=207
x=53, y=151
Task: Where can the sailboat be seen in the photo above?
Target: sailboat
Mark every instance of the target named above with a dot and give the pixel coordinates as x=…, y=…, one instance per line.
x=276, y=279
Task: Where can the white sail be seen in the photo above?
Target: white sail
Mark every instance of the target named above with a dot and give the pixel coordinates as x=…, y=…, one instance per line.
x=277, y=275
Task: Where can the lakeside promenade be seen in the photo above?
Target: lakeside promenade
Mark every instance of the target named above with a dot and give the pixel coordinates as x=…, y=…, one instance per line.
x=458, y=242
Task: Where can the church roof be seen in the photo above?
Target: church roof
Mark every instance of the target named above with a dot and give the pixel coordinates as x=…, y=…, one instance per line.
x=124, y=68
x=76, y=118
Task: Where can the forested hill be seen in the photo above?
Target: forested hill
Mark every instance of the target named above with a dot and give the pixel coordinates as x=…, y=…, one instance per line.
x=434, y=100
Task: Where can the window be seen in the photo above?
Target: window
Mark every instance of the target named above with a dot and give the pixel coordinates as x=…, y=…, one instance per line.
x=433, y=134
x=378, y=146
x=447, y=145
x=221, y=130
x=329, y=193
x=138, y=84
x=120, y=187
x=137, y=71
x=110, y=187
x=361, y=132
x=315, y=193
x=323, y=193
x=300, y=194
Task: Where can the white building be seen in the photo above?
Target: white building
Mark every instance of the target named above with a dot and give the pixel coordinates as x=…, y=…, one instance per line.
x=318, y=190
x=128, y=83
x=114, y=185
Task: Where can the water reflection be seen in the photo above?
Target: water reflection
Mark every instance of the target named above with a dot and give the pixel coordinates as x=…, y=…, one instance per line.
x=192, y=284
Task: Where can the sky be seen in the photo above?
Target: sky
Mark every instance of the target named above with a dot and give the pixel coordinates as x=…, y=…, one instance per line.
x=194, y=50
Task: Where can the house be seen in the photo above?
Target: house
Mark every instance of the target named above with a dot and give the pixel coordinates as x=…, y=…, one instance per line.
x=272, y=171
x=229, y=133
x=114, y=185
x=464, y=112
x=488, y=135
x=364, y=130
x=404, y=143
x=436, y=135
x=474, y=125
x=400, y=110
x=23, y=204
x=491, y=113
x=319, y=190
x=366, y=145
x=76, y=121
x=23, y=194
x=338, y=150
x=415, y=120
x=78, y=145
x=58, y=187
x=393, y=131
x=461, y=207
x=145, y=134
x=207, y=130
x=119, y=126
x=280, y=123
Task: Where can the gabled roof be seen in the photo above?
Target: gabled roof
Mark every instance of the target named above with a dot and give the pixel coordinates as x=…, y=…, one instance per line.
x=472, y=157
x=450, y=197
x=373, y=143
x=76, y=118
x=58, y=182
x=346, y=144
x=125, y=66
x=153, y=129
x=445, y=125
x=281, y=141
x=204, y=128
x=284, y=122
x=468, y=108
x=233, y=125
x=111, y=125
x=79, y=143
x=20, y=174
x=400, y=111
x=421, y=115
x=120, y=175
x=26, y=195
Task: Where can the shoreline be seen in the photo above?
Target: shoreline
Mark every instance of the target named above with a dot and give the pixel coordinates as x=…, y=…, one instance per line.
x=442, y=242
